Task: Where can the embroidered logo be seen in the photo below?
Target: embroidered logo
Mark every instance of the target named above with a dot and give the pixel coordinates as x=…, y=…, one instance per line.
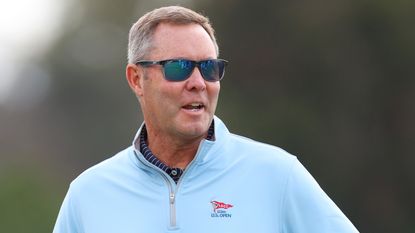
x=220, y=210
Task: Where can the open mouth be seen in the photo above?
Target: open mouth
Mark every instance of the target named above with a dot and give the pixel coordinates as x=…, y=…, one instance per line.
x=194, y=106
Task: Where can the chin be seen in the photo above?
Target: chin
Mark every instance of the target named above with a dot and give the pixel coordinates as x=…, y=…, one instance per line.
x=195, y=129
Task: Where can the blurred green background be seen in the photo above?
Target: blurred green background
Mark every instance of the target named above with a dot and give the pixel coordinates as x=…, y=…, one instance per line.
x=332, y=82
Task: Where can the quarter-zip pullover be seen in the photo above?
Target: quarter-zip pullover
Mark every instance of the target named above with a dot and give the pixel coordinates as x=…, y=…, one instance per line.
x=233, y=185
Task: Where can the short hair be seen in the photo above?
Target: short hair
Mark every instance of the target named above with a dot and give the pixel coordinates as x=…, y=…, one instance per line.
x=141, y=33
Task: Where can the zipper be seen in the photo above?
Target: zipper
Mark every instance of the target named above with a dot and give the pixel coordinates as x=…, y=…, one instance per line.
x=172, y=193
x=172, y=199
x=172, y=209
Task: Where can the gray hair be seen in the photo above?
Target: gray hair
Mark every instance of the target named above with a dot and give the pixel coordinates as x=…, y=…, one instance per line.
x=141, y=33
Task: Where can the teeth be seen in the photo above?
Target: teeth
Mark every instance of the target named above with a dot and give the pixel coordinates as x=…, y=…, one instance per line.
x=194, y=106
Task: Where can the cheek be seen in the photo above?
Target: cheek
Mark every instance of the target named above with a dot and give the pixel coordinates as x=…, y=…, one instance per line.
x=164, y=98
x=214, y=92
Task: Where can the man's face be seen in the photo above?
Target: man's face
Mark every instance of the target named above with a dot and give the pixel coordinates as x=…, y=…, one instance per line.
x=167, y=106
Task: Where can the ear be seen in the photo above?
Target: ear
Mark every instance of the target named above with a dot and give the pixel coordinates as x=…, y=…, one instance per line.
x=135, y=76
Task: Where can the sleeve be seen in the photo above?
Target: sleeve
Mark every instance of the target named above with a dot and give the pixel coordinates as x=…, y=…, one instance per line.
x=67, y=221
x=307, y=208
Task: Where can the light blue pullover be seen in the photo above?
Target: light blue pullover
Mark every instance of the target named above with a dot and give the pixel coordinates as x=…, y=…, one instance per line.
x=233, y=185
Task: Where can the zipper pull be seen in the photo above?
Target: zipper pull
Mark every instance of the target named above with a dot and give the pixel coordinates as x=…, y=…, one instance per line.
x=171, y=198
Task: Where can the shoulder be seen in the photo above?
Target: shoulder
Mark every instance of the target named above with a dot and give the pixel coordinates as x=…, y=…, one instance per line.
x=261, y=149
x=258, y=154
x=112, y=168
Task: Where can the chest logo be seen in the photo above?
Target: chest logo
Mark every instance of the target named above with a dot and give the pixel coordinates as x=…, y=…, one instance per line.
x=221, y=210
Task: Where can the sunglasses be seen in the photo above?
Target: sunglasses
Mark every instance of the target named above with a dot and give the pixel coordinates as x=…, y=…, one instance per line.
x=177, y=70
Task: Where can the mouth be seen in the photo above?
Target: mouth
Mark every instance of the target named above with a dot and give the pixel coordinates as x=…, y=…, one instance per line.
x=194, y=107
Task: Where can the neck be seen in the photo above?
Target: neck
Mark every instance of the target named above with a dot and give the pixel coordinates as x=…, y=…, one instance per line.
x=172, y=151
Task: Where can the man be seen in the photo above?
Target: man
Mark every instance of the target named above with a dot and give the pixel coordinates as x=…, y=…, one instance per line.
x=185, y=172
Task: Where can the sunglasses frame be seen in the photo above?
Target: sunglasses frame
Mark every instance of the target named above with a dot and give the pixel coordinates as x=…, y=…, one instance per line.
x=147, y=63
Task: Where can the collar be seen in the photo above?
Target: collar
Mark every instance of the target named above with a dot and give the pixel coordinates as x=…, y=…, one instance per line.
x=206, y=147
x=174, y=172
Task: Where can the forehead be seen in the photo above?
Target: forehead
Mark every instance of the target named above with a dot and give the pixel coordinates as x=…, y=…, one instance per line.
x=182, y=41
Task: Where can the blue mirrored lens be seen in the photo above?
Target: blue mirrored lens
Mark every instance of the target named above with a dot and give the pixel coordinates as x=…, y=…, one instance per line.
x=212, y=70
x=178, y=70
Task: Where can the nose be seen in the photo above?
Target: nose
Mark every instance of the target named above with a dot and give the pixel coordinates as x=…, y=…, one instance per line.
x=196, y=81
